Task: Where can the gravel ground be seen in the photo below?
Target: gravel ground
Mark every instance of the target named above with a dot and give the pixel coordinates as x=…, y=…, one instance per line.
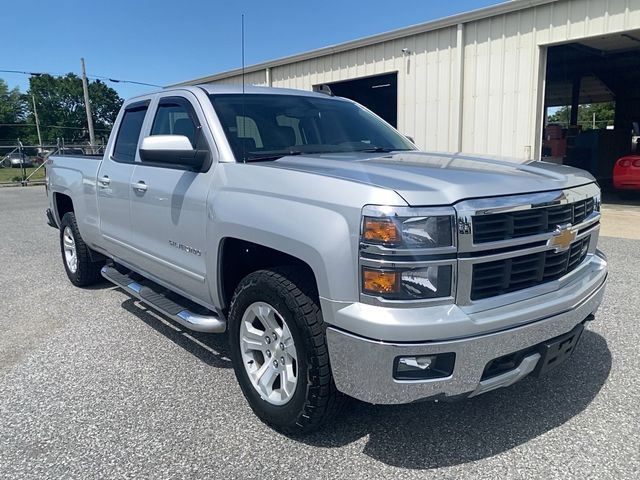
x=92, y=385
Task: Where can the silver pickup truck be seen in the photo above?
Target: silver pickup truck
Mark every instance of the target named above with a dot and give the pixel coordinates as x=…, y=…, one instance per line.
x=341, y=261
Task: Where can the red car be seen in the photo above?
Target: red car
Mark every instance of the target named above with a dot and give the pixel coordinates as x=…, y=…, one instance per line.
x=626, y=174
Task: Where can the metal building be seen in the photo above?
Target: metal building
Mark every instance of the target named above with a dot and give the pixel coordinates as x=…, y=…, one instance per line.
x=481, y=81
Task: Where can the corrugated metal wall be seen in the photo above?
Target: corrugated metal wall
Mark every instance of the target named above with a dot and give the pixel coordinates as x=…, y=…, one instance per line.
x=250, y=78
x=504, y=68
x=503, y=71
x=426, y=80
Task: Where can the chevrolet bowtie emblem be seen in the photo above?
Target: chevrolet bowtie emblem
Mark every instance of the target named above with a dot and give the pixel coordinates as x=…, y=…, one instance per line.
x=563, y=237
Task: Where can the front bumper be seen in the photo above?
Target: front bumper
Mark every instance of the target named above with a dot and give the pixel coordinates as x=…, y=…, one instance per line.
x=363, y=368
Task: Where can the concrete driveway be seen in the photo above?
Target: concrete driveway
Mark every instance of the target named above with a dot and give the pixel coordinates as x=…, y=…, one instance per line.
x=92, y=385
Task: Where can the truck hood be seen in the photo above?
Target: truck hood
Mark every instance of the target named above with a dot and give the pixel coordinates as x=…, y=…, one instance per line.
x=438, y=178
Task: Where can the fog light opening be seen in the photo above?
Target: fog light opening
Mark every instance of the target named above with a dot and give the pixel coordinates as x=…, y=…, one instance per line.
x=422, y=362
x=423, y=367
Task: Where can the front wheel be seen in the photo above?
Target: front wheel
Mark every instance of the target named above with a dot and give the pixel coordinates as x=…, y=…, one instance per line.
x=279, y=350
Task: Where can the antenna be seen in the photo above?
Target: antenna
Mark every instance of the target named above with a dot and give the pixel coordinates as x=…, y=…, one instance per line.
x=244, y=118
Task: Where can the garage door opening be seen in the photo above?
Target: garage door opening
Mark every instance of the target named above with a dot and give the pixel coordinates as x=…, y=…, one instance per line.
x=592, y=103
x=378, y=93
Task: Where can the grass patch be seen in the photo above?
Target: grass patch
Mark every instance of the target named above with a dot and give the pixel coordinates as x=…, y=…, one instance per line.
x=7, y=175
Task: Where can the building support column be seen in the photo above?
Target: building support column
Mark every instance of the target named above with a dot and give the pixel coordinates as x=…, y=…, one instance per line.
x=456, y=134
x=539, y=108
x=575, y=101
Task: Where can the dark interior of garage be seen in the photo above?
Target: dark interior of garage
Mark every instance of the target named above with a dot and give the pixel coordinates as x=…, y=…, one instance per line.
x=378, y=93
x=594, y=71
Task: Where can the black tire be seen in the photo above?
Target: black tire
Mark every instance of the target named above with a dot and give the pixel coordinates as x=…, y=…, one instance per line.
x=87, y=271
x=293, y=294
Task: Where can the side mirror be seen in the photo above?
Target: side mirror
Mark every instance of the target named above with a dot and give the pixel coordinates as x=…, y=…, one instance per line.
x=410, y=139
x=171, y=151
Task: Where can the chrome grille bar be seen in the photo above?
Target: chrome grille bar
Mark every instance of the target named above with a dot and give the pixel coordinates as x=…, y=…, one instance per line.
x=508, y=266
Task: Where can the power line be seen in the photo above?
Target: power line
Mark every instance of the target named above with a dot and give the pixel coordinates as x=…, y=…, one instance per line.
x=94, y=77
x=50, y=126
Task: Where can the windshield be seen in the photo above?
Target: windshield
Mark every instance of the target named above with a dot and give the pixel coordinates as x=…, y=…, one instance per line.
x=267, y=127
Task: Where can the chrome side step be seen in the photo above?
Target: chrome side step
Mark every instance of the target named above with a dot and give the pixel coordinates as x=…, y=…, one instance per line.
x=158, y=301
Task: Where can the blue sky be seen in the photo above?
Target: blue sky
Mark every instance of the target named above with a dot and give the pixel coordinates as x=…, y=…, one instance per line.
x=163, y=42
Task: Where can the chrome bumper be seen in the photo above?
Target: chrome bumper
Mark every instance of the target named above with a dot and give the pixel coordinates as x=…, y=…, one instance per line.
x=363, y=368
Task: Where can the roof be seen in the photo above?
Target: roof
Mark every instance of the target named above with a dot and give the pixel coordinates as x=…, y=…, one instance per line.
x=221, y=89
x=251, y=89
x=486, y=12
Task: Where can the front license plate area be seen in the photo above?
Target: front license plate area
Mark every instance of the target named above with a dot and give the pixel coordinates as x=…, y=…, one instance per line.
x=554, y=352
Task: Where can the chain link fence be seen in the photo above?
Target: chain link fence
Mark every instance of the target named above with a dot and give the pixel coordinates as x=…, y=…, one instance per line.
x=22, y=165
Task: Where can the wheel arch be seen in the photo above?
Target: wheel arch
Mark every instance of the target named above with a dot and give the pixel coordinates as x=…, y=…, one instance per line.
x=62, y=204
x=239, y=257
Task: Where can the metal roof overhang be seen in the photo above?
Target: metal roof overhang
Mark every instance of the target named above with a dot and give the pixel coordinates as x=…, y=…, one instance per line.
x=486, y=12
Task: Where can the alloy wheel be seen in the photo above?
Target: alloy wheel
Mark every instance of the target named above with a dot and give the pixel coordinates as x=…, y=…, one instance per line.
x=268, y=353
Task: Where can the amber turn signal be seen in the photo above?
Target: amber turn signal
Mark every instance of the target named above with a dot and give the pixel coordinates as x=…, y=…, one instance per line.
x=379, y=282
x=381, y=230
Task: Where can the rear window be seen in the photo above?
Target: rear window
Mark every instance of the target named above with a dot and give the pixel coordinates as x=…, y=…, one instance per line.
x=129, y=134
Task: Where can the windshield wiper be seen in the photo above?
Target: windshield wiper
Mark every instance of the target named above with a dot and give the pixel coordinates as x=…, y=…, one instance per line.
x=382, y=150
x=266, y=158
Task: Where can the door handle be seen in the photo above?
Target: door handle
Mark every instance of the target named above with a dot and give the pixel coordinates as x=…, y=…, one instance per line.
x=104, y=181
x=140, y=186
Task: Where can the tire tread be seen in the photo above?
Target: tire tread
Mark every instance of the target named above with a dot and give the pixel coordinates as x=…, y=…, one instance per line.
x=88, y=272
x=323, y=401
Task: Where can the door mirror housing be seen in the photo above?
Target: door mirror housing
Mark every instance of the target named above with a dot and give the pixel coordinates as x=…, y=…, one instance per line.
x=172, y=151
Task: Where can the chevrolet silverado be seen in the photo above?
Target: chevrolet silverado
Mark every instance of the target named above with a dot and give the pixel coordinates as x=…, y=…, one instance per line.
x=340, y=260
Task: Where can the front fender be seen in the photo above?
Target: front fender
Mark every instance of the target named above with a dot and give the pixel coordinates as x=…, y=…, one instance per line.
x=319, y=236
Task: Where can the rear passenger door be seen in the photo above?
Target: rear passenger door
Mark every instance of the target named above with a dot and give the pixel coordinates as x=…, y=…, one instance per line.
x=114, y=182
x=169, y=214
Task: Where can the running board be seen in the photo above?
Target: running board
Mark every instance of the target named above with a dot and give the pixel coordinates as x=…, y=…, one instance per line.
x=158, y=301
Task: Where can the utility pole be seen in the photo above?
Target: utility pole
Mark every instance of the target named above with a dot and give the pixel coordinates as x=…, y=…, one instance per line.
x=594, y=120
x=35, y=114
x=85, y=87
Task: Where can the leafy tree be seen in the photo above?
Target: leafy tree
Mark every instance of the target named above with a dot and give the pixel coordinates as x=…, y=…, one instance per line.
x=61, y=109
x=605, y=113
x=12, y=111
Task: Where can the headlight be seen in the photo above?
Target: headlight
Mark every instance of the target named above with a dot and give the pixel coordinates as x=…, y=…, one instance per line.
x=407, y=254
x=408, y=228
x=410, y=284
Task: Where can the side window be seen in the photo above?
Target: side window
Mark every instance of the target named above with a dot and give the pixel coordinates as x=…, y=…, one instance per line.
x=126, y=144
x=174, y=119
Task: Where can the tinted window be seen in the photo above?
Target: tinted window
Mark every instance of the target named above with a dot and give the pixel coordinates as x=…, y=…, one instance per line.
x=281, y=124
x=174, y=119
x=246, y=128
x=129, y=134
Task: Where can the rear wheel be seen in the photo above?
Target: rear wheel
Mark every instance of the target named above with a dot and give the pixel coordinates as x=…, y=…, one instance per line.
x=279, y=350
x=80, y=268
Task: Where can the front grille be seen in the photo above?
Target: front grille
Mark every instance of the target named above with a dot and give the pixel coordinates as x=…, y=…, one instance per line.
x=503, y=276
x=503, y=226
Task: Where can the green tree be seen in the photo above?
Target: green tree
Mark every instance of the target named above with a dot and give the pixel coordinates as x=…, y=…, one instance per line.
x=605, y=113
x=12, y=111
x=61, y=109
